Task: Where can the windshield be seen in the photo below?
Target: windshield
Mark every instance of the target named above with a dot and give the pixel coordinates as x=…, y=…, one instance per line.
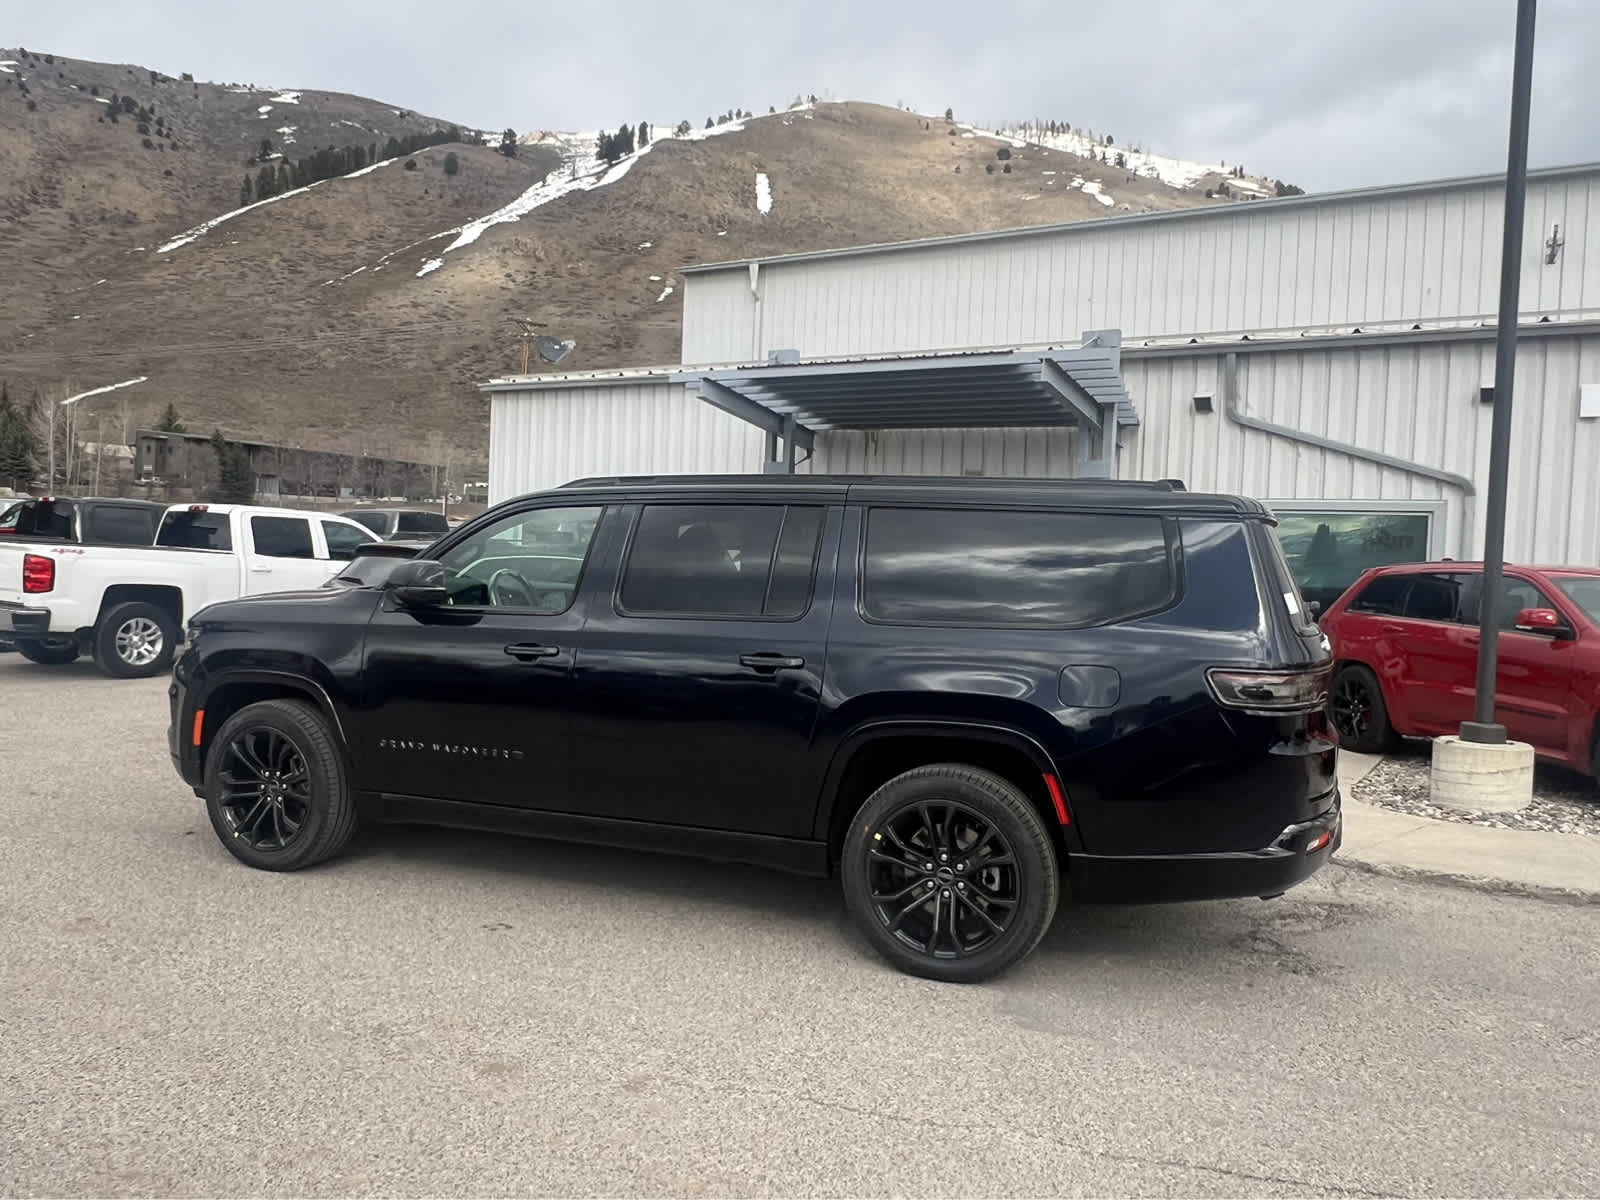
x=1584, y=591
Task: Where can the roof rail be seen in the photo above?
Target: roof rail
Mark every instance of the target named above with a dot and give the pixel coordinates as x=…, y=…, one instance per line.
x=1153, y=485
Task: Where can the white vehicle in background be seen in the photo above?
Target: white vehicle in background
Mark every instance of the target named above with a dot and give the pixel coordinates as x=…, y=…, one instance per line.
x=126, y=605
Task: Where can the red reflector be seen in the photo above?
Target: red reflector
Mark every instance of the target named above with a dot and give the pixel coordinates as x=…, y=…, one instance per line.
x=1057, y=798
x=38, y=573
x=1321, y=840
x=199, y=724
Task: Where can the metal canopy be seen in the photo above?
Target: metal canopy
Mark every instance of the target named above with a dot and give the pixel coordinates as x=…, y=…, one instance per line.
x=1074, y=387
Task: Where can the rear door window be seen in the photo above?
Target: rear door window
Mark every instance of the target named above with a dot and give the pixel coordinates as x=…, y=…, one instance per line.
x=724, y=560
x=195, y=530
x=1435, y=597
x=282, y=537
x=1008, y=568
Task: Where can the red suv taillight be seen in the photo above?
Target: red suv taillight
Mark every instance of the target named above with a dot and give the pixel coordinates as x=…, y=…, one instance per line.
x=1270, y=692
x=38, y=573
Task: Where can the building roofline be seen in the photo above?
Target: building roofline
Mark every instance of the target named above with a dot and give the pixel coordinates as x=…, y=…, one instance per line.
x=1167, y=347
x=1200, y=212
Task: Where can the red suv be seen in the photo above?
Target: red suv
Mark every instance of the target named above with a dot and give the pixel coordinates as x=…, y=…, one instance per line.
x=1405, y=646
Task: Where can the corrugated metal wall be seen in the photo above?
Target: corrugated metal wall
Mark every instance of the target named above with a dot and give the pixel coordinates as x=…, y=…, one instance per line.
x=1418, y=402
x=542, y=439
x=1429, y=256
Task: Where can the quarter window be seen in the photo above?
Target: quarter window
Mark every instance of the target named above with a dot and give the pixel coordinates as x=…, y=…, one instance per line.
x=532, y=561
x=1385, y=596
x=967, y=567
x=727, y=560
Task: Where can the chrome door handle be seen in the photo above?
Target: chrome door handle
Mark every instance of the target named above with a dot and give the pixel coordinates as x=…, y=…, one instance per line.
x=771, y=662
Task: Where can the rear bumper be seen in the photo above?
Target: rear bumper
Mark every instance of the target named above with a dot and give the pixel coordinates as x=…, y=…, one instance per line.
x=1269, y=871
x=20, y=623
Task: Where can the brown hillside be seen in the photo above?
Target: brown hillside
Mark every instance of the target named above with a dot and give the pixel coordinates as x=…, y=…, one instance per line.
x=304, y=320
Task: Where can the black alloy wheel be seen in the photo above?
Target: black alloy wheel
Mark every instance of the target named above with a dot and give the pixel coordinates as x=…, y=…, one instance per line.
x=1358, y=712
x=276, y=787
x=265, y=795
x=943, y=879
x=950, y=872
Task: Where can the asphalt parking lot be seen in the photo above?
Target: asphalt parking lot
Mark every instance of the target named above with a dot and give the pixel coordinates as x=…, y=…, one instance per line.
x=444, y=1013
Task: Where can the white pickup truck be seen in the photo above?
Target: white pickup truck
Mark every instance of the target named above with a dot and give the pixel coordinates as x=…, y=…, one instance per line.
x=126, y=605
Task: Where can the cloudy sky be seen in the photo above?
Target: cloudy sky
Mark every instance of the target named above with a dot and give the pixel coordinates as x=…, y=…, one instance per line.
x=1324, y=93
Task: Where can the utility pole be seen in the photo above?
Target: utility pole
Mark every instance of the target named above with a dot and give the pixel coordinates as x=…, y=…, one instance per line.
x=1483, y=728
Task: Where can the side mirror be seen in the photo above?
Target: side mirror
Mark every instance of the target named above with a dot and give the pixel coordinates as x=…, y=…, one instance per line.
x=1541, y=620
x=418, y=583
x=1314, y=607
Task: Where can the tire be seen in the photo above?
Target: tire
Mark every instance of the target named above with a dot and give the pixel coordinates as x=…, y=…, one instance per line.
x=291, y=740
x=1358, y=711
x=135, y=640
x=50, y=654
x=940, y=809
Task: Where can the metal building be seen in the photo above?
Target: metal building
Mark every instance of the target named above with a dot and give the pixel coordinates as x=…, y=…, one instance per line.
x=1332, y=355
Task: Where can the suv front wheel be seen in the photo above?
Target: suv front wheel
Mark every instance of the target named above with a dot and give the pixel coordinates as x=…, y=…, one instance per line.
x=950, y=873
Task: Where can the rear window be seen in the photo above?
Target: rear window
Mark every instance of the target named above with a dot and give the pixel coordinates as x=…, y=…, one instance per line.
x=120, y=524
x=195, y=531
x=1026, y=569
x=422, y=522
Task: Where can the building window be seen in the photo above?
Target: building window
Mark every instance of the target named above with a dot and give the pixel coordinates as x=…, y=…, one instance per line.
x=1328, y=549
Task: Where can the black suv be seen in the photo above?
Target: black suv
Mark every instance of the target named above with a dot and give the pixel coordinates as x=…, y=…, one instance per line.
x=960, y=694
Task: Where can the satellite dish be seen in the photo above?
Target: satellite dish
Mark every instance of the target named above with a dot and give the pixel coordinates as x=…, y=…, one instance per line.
x=552, y=350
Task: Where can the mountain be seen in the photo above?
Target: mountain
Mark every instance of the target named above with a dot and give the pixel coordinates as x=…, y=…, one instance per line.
x=357, y=311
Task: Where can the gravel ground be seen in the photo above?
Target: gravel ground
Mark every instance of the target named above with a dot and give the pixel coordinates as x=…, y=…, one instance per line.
x=1563, y=802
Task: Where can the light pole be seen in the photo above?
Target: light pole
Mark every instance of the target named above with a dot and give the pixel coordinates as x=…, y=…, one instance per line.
x=71, y=425
x=1483, y=727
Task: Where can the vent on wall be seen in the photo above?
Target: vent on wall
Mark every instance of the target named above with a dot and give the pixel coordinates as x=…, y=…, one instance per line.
x=1486, y=395
x=1589, y=401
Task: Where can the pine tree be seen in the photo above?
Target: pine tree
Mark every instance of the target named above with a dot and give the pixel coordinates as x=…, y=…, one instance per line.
x=285, y=182
x=644, y=134
x=246, y=193
x=266, y=183
x=391, y=148
x=625, y=140
x=508, y=143
x=235, y=480
x=452, y=164
x=18, y=443
x=169, y=422
x=266, y=148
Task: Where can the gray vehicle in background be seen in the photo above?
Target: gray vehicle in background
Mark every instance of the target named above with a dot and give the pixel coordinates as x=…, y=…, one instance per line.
x=413, y=525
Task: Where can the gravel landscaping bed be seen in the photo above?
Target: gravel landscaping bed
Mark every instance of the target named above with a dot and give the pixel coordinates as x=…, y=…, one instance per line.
x=1563, y=802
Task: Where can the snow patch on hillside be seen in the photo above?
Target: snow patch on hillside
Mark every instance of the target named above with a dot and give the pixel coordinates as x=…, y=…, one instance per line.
x=263, y=111
x=433, y=264
x=201, y=230
x=287, y=98
x=367, y=170
x=8, y=64
x=665, y=292
x=763, y=193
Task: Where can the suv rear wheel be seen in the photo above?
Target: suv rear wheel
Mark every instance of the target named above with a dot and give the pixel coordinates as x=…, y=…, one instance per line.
x=950, y=873
x=275, y=786
x=1356, y=707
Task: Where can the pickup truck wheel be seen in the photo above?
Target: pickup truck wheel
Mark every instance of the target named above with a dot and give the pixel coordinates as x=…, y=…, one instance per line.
x=51, y=653
x=950, y=873
x=275, y=786
x=134, y=640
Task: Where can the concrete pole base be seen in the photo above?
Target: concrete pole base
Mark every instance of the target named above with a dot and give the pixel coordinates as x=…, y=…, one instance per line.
x=1479, y=778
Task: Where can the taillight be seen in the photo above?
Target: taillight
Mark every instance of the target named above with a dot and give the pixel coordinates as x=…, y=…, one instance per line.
x=1270, y=692
x=38, y=573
